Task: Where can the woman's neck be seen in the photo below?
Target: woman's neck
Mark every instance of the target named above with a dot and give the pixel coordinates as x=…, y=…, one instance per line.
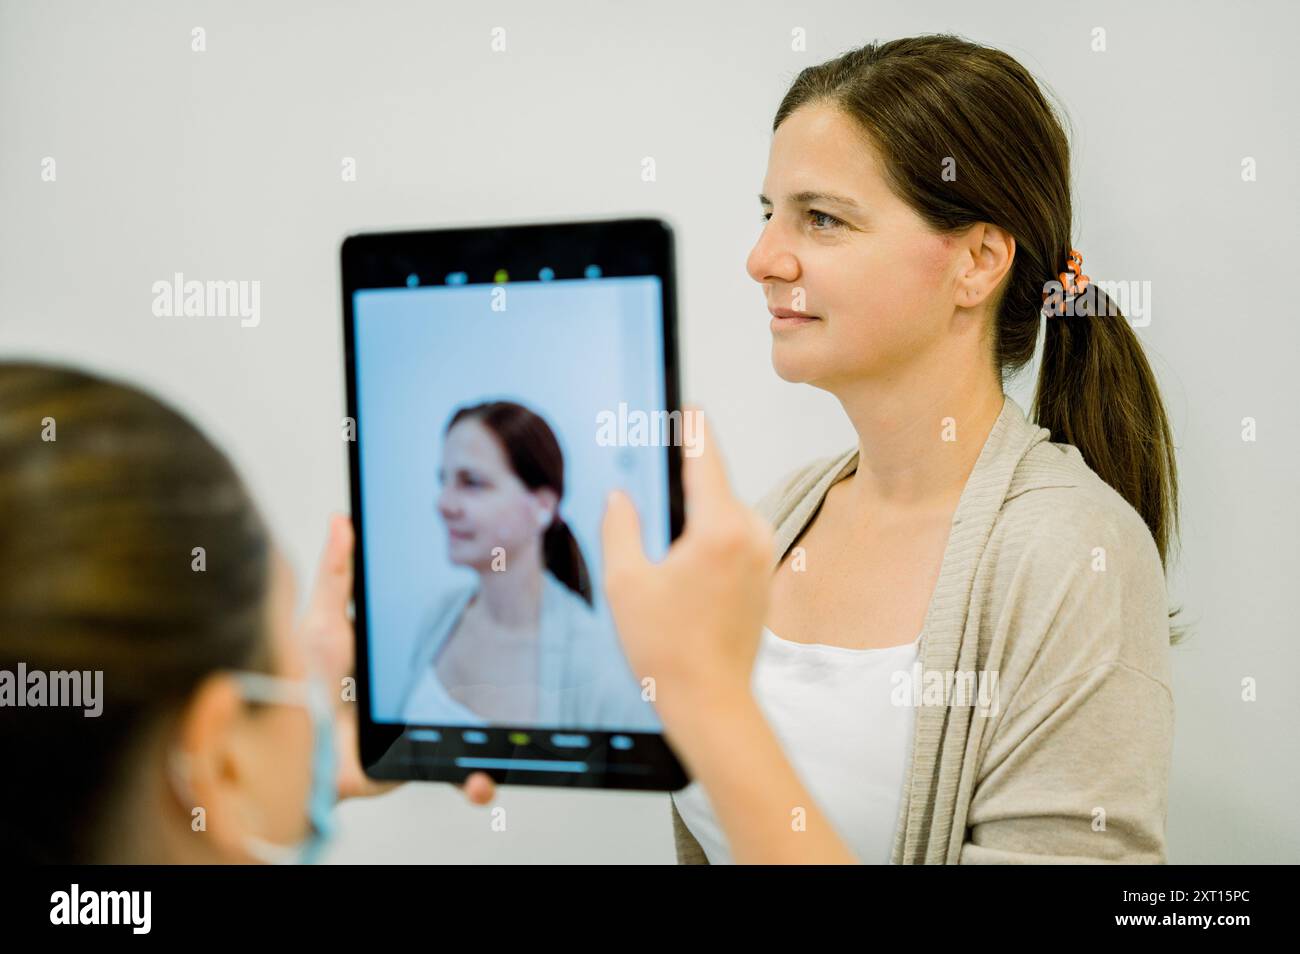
x=917, y=445
x=512, y=597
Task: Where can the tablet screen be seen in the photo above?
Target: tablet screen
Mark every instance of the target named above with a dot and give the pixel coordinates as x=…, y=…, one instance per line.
x=492, y=419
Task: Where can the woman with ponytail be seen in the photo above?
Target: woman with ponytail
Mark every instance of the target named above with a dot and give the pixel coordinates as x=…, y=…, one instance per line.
x=519, y=645
x=966, y=656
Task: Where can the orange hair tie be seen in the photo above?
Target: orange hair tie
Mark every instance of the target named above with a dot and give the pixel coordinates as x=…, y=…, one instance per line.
x=1073, y=281
x=1078, y=281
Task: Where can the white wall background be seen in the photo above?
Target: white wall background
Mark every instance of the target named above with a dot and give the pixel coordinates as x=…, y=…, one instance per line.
x=226, y=164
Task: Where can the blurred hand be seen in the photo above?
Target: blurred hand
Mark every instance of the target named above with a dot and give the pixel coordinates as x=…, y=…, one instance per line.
x=327, y=631
x=692, y=622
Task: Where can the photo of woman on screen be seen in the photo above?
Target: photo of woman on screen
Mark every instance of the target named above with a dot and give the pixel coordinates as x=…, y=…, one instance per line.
x=522, y=644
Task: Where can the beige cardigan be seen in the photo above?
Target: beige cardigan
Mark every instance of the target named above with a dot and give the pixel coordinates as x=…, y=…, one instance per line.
x=1051, y=581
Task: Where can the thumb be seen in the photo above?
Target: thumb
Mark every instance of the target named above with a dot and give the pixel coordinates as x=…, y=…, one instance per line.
x=333, y=587
x=620, y=533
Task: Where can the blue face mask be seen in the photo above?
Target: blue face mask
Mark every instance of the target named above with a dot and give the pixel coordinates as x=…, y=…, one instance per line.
x=311, y=693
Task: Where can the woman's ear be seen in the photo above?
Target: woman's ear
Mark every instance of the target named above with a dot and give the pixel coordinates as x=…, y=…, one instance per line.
x=209, y=774
x=992, y=251
x=547, y=502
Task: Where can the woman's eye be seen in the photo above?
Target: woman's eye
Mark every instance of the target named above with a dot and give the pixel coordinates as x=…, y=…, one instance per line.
x=814, y=214
x=832, y=221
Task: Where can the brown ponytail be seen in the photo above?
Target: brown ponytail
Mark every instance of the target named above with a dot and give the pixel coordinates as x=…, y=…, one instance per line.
x=939, y=102
x=1097, y=392
x=564, y=558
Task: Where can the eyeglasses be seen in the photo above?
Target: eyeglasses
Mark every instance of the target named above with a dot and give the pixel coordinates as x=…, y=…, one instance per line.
x=263, y=687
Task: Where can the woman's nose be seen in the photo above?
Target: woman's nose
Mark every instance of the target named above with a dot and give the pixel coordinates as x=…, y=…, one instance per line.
x=770, y=260
x=448, y=506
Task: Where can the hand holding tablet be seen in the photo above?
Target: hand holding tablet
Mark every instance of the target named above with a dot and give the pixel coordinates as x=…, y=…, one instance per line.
x=692, y=621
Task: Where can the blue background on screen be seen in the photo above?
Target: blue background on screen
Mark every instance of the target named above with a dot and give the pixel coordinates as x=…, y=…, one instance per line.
x=568, y=350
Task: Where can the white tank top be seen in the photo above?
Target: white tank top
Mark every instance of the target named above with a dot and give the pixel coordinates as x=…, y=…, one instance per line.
x=831, y=710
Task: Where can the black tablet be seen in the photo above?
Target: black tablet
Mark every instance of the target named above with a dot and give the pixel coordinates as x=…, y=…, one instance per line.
x=501, y=380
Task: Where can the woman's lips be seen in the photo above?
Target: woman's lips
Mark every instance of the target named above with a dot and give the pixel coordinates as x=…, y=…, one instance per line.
x=786, y=318
x=460, y=535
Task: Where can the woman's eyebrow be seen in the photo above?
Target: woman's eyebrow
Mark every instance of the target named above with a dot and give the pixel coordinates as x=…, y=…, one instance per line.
x=808, y=198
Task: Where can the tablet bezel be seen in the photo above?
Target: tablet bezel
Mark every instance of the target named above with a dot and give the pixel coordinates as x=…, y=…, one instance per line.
x=510, y=755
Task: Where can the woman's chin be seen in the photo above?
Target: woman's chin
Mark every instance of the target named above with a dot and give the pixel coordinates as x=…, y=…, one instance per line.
x=792, y=368
x=458, y=556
